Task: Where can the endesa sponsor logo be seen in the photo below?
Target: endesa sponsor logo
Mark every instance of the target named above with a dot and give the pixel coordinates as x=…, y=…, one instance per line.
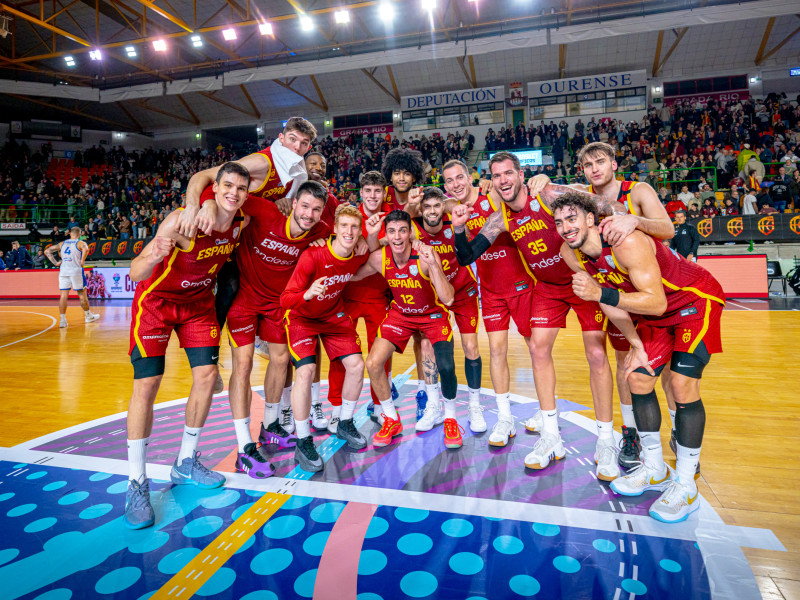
x=273, y=260
x=494, y=255
x=547, y=262
x=196, y=284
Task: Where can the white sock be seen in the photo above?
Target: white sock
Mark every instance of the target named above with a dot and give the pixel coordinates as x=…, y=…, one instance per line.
x=651, y=449
x=87, y=312
x=550, y=421
x=627, y=415
x=137, y=458
x=63, y=317
x=503, y=406
x=336, y=412
x=686, y=464
x=348, y=408
x=243, y=436
x=474, y=397
x=390, y=378
x=315, y=393
x=421, y=386
x=449, y=408
x=303, y=429
x=191, y=435
x=433, y=393
x=672, y=416
x=286, y=398
x=388, y=409
x=270, y=413
x=605, y=431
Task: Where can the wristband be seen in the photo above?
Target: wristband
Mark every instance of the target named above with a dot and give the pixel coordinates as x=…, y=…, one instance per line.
x=609, y=296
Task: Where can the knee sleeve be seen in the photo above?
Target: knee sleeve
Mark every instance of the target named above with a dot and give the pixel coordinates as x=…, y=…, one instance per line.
x=472, y=369
x=146, y=366
x=690, y=364
x=646, y=411
x=690, y=424
x=201, y=357
x=443, y=351
x=227, y=286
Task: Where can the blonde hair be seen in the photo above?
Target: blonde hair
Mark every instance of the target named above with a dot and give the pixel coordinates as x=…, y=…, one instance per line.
x=596, y=148
x=347, y=210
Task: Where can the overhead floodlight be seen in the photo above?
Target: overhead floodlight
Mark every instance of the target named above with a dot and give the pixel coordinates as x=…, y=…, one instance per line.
x=95, y=54
x=159, y=45
x=306, y=24
x=342, y=17
x=131, y=51
x=265, y=28
x=386, y=12
x=197, y=41
x=428, y=5
x=70, y=61
x=229, y=34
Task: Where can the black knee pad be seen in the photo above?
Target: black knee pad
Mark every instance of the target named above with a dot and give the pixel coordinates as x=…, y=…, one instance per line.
x=443, y=351
x=227, y=287
x=646, y=411
x=201, y=357
x=690, y=364
x=473, y=369
x=690, y=424
x=146, y=366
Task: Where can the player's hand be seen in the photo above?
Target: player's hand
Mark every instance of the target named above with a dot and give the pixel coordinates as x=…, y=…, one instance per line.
x=426, y=254
x=485, y=186
x=636, y=359
x=585, y=287
x=537, y=183
x=316, y=289
x=162, y=246
x=374, y=223
x=460, y=215
x=318, y=243
x=617, y=227
x=58, y=264
x=206, y=218
x=415, y=196
x=187, y=225
x=284, y=205
x=362, y=247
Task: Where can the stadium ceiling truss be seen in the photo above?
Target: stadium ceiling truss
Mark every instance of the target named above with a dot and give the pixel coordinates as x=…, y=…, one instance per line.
x=41, y=36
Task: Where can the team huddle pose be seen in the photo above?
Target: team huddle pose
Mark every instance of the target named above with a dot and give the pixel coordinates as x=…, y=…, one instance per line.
x=297, y=270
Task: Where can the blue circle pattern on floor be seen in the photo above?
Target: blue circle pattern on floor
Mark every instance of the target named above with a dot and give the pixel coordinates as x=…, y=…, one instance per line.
x=406, y=553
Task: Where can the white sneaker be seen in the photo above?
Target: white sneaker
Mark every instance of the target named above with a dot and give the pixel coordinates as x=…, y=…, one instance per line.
x=318, y=419
x=63, y=323
x=91, y=317
x=640, y=479
x=262, y=348
x=432, y=417
x=476, y=421
x=536, y=422
x=678, y=501
x=287, y=419
x=333, y=425
x=549, y=447
x=502, y=431
x=605, y=457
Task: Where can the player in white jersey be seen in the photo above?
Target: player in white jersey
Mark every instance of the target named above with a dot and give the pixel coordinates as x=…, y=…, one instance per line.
x=70, y=275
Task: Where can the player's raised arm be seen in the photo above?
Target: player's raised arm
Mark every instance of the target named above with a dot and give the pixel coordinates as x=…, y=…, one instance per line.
x=443, y=287
x=159, y=248
x=373, y=226
x=467, y=252
x=650, y=217
x=52, y=250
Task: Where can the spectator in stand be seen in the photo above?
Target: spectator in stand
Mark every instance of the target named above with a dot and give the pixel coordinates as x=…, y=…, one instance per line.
x=40, y=260
x=749, y=203
x=686, y=240
x=694, y=210
x=2, y=262
x=794, y=189
x=705, y=192
x=673, y=206
x=729, y=208
x=783, y=176
x=19, y=258
x=780, y=195
x=125, y=228
x=767, y=209
x=709, y=210
x=664, y=195
x=685, y=196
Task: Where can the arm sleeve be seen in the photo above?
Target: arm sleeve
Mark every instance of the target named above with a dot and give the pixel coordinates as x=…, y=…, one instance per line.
x=467, y=252
x=300, y=281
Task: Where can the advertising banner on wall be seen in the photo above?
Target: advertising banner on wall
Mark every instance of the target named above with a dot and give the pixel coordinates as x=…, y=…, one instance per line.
x=110, y=282
x=781, y=227
x=606, y=82
x=116, y=249
x=727, y=97
x=454, y=98
x=380, y=130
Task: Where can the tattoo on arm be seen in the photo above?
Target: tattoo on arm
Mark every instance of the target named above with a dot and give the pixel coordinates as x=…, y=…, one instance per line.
x=494, y=226
x=430, y=370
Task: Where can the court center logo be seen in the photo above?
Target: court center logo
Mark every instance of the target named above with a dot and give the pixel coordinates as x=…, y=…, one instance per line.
x=766, y=225
x=705, y=227
x=735, y=226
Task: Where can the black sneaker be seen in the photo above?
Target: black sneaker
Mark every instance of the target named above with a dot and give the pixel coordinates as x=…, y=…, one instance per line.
x=673, y=445
x=253, y=462
x=630, y=449
x=347, y=431
x=306, y=454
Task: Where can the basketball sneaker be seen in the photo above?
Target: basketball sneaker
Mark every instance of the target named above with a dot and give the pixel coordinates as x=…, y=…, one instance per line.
x=452, y=434
x=678, y=501
x=502, y=431
x=138, y=510
x=631, y=448
x=91, y=317
x=318, y=420
x=605, y=457
x=287, y=419
x=275, y=434
x=640, y=479
x=305, y=453
x=253, y=462
x=536, y=422
x=389, y=429
x=219, y=385
x=333, y=425
x=476, y=421
x=371, y=411
x=63, y=322
x=422, y=402
x=192, y=472
x=673, y=445
x=395, y=393
x=549, y=447
x=347, y=431
x=431, y=417
x=262, y=348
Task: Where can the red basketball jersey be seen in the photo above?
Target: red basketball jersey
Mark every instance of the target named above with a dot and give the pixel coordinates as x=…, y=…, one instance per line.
x=390, y=201
x=271, y=188
x=412, y=292
x=372, y=289
x=444, y=245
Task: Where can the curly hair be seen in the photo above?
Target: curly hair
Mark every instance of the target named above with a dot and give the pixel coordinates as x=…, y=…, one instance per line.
x=402, y=159
x=579, y=201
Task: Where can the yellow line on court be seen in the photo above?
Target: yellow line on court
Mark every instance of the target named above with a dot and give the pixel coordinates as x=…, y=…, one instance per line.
x=191, y=578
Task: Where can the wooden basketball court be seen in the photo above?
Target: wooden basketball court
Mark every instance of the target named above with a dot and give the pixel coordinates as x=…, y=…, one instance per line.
x=353, y=531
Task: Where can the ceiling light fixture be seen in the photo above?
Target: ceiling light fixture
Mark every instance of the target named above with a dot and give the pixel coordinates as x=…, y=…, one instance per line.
x=131, y=51
x=95, y=54
x=386, y=12
x=159, y=45
x=342, y=17
x=197, y=41
x=306, y=24
x=265, y=28
x=70, y=61
x=428, y=5
x=229, y=34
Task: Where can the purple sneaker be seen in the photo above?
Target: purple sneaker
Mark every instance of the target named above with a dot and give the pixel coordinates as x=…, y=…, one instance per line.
x=253, y=462
x=275, y=434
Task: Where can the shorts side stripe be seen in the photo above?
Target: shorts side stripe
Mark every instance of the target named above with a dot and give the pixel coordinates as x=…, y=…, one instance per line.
x=702, y=334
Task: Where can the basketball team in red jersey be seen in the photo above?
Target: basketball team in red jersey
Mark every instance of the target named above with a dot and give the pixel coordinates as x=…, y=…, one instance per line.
x=295, y=269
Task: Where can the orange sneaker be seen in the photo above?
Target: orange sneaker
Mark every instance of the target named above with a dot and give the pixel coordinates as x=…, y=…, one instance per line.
x=390, y=428
x=452, y=434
